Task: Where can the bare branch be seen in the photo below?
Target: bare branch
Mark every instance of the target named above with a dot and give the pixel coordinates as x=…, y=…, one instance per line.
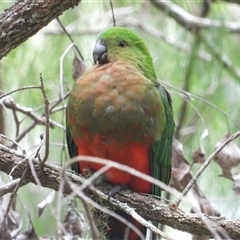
x=9, y=187
x=189, y=95
x=11, y=104
x=146, y=206
x=191, y=22
x=113, y=15
x=70, y=37
x=46, y=103
x=232, y=1
x=26, y=131
x=226, y=62
x=12, y=197
x=29, y=112
x=19, y=89
x=204, y=166
x=10, y=140
x=87, y=209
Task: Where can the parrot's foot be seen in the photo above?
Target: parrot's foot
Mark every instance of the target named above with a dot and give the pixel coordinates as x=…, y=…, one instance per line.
x=114, y=190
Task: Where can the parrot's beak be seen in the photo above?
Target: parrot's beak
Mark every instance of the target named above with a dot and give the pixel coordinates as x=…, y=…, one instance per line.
x=100, y=53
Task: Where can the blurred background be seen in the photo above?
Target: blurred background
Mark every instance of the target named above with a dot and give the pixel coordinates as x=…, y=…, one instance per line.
x=199, y=67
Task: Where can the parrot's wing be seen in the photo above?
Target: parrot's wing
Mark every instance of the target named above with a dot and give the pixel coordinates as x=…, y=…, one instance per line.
x=161, y=150
x=72, y=147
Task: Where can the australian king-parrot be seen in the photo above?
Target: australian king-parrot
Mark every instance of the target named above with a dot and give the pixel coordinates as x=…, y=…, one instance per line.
x=117, y=110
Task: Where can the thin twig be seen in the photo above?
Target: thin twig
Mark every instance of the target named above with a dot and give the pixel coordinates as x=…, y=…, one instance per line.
x=42, y=138
x=10, y=140
x=9, y=187
x=61, y=69
x=213, y=227
x=18, y=185
x=63, y=95
x=113, y=15
x=71, y=39
x=127, y=209
x=17, y=122
x=123, y=207
x=11, y=104
x=193, y=96
x=94, y=231
x=204, y=166
x=226, y=62
x=19, y=89
x=124, y=168
x=25, y=132
x=81, y=195
x=47, y=137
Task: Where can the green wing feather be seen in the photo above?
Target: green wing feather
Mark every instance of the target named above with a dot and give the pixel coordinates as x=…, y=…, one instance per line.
x=72, y=147
x=161, y=150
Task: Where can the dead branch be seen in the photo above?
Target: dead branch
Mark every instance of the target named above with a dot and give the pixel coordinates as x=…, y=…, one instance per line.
x=146, y=206
x=191, y=22
x=47, y=135
x=12, y=198
x=11, y=104
x=232, y=1
x=26, y=18
x=29, y=112
x=206, y=163
x=9, y=187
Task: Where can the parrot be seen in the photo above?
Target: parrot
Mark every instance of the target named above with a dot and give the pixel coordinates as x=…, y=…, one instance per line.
x=118, y=110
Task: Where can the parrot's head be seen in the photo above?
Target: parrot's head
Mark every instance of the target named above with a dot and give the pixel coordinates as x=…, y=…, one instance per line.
x=119, y=43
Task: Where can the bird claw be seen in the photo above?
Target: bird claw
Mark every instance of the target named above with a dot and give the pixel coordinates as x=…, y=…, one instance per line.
x=114, y=190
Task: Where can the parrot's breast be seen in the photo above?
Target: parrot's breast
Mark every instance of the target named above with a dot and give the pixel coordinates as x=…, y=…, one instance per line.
x=114, y=112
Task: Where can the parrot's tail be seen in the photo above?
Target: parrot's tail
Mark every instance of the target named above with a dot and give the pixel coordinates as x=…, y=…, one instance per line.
x=119, y=231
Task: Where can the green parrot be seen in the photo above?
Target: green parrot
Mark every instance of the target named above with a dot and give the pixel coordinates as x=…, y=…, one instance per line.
x=118, y=111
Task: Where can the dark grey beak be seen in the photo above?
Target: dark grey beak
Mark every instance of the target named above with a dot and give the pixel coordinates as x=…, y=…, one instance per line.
x=100, y=53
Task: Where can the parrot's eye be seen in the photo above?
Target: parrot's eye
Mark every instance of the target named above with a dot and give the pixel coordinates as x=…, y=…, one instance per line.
x=102, y=42
x=122, y=44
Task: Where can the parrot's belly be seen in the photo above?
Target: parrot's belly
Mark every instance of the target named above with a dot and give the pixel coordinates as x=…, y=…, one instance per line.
x=135, y=155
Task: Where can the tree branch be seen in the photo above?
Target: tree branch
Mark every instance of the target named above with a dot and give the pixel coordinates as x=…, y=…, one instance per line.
x=26, y=18
x=11, y=104
x=146, y=206
x=232, y=1
x=191, y=22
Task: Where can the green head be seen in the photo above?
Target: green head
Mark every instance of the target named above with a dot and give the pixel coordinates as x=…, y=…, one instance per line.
x=118, y=43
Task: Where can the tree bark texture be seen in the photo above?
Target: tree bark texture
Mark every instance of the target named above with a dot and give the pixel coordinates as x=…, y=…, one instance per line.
x=26, y=18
